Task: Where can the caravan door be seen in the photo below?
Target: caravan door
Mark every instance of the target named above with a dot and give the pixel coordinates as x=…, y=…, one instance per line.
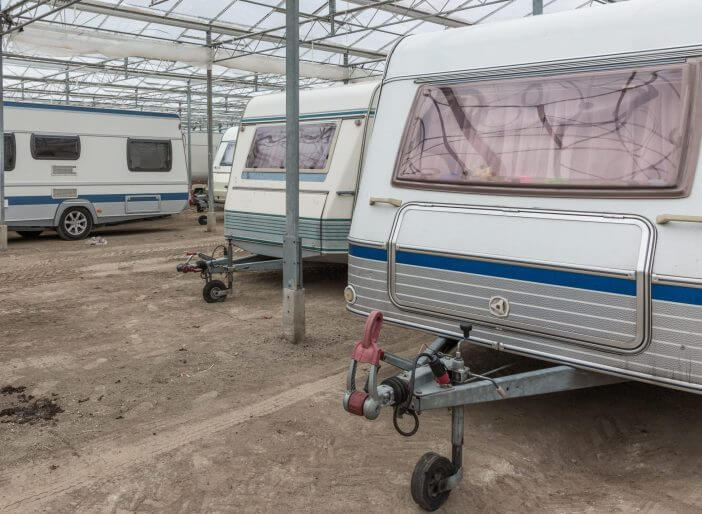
x=577, y=277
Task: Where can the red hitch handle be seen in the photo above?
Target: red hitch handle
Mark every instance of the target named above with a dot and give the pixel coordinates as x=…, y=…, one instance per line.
x=367, y=350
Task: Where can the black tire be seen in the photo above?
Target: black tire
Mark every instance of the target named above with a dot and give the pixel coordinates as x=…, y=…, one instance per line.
x=29, y=234
x=212, y=290
x=75, y=223
x=202, y=220
x=430, y=471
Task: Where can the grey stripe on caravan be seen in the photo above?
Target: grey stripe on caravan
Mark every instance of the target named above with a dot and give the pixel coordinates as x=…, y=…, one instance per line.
x=577, y=65
x=392, y=317
x=74, y=183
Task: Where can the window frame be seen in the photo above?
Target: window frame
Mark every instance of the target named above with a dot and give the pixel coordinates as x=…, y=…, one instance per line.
x=13, y=139
x=224, y=153
x=150, y=140
x=691, y=101
x=332, y=147
x=32, y=146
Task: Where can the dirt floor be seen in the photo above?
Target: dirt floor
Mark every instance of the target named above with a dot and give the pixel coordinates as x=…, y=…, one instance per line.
x=122, y=391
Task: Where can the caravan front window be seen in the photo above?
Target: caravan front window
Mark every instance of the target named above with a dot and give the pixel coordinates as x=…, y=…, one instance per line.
x=596, y=131
x=10, y=152
x=149, y=155
x=55, y=148
x=267, y=150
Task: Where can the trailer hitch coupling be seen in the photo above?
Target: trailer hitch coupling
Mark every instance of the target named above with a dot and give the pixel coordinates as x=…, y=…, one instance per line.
x=365, y=403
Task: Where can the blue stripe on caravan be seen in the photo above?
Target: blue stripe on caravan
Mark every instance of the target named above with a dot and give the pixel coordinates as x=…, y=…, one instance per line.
x=48, y=200
x=516, y=272
x=365, y=252
x=94, y=110
x=677, y=294
x=280, y=175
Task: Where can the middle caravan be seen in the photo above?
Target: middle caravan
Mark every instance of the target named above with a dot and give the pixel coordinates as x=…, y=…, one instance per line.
x=335, y=123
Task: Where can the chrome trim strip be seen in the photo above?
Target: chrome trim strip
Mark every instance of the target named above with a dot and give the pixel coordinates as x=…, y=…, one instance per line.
x=642, y=336
x=604, y=62
x=677, y=281
x=363, y=242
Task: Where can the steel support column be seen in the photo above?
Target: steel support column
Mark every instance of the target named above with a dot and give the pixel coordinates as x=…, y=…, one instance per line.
x=3, y=225
x=189, y=123
x=538, y=7
x=293, y=292
x=211, y=217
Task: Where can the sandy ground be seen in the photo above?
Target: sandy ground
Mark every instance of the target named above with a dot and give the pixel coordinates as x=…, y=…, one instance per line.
x=156, y=401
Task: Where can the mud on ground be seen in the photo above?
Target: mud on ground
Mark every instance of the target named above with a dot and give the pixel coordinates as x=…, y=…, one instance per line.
x=164, y=403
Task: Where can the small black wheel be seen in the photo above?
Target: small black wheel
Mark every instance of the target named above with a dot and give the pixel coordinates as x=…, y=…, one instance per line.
x=29, y=234
x=202, y=220
x=214, y=291
x=427, y=479
x=75, y=223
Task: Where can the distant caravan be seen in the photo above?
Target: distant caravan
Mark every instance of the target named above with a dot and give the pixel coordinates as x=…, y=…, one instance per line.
x=333, y=124
x=222, y=167
x=198, y=148
x=72, y=168
x=533, y=187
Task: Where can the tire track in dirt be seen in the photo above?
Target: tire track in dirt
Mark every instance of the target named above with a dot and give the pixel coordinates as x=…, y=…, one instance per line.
x=104, y=460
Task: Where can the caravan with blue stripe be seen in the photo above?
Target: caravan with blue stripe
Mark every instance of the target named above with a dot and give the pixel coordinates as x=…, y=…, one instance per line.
x=73, y=168
x=553, y=205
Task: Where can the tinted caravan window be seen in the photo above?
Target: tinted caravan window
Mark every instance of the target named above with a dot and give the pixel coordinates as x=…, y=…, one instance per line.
x=10, y=152
x=149, y=155
x=59, y=148
x=228, y=155
x=605, y=130
x=268, y=148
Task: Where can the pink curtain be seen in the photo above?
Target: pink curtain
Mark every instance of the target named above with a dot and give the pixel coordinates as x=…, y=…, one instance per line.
x=612, y=129
x=268, y=148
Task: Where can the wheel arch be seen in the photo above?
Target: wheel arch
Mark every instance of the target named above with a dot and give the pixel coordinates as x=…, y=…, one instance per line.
x=75, y=202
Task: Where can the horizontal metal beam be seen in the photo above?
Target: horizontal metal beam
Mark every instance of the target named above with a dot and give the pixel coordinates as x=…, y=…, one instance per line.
x=555, y=379
x=120, y=70
x=111, y=85
x=174, y=20
x=416, y=14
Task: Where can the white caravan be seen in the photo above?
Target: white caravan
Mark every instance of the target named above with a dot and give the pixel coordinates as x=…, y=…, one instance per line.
x=555, y=204
x=72, y=168
x=223, y=164
x=534, y=187
x=333, y=122
x=198, y=147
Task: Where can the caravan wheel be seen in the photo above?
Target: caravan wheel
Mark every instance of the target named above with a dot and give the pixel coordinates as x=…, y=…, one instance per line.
x=75, y=223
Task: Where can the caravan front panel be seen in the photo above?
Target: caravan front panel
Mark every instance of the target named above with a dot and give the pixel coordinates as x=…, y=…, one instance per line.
x=551, y=205
x=333, y=122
